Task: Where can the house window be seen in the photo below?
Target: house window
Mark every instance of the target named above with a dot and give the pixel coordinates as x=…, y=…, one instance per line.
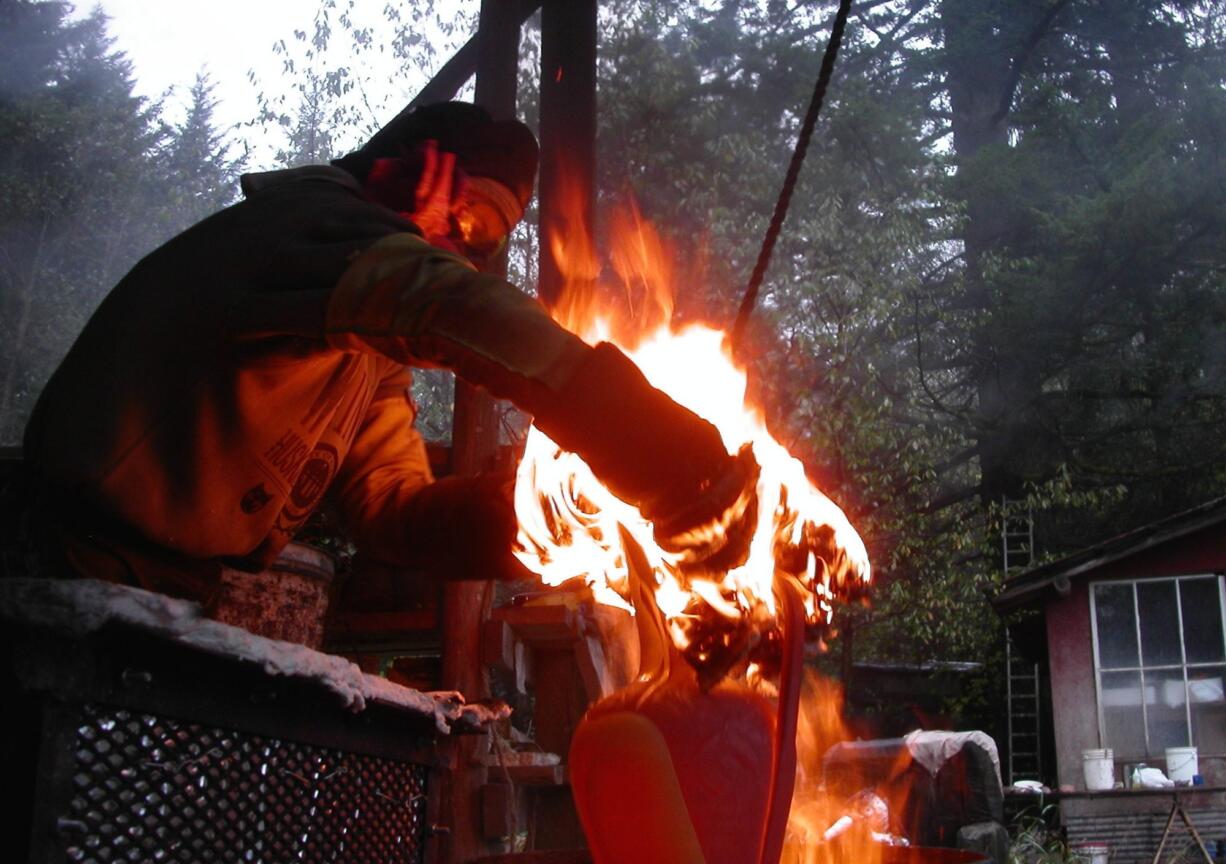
x=1160, y=661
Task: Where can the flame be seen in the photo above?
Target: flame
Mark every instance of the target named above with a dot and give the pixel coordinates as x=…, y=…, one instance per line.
x=827, y=825
x=569, y=521
x=572, y=526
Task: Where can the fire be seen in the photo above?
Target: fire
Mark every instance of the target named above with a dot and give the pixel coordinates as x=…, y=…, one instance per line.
x=737, y=626
x=569, y=522
x=826, y=826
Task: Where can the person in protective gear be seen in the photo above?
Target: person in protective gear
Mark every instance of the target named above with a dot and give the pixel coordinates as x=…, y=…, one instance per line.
x=259, y=360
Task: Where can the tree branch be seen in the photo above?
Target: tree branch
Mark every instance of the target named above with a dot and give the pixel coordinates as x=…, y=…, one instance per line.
x=1023, y=57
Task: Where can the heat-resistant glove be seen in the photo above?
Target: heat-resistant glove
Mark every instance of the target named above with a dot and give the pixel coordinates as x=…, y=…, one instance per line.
x=465, y=528
x=648, y=450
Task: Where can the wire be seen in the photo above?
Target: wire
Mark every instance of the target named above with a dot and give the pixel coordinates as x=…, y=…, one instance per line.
x=789, y=180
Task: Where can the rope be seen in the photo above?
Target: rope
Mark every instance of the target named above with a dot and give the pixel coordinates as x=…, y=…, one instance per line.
x=789, y=181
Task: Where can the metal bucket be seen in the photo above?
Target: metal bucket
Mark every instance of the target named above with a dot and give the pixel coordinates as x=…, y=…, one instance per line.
x=288, y=601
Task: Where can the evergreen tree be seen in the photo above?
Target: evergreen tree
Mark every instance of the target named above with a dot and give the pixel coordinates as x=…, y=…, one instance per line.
x=1093, y=230
x=75, y=185
x=309, y=133
x=197, y=161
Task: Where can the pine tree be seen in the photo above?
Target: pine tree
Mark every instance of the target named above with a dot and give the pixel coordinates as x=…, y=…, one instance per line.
x=309, y=134
x=201, y=173
x=75, y=184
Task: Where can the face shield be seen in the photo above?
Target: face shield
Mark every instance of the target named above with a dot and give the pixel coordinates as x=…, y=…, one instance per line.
x=482, y=218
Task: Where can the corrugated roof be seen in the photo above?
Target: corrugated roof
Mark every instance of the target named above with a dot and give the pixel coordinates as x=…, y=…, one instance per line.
x=1024, y=586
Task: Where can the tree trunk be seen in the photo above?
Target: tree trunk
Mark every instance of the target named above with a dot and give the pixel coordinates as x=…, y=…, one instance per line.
x=976, y=71
x=986, y=50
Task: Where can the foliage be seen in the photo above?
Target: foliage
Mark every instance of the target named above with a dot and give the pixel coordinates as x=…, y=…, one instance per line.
x=333, y=93
x=200, y=172
x=1089, y=236
x=75, y=181
x=1000, y=277
x=1034, y=841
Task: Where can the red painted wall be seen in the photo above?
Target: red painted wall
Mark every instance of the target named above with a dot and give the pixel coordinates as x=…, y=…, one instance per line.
x=1069, y=640
x=1071, y=659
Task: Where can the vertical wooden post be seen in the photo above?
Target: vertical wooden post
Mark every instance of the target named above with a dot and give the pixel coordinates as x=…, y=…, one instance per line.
x=474, y=449
x=568, y=125
x=568, y=162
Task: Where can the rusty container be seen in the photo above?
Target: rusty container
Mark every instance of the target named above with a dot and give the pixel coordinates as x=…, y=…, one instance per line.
x=288, y=601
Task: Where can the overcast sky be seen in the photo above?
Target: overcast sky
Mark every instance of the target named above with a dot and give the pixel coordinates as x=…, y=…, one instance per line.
x=169, y=41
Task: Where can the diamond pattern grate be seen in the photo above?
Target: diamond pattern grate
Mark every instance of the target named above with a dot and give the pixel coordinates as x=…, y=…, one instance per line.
x=148, y=788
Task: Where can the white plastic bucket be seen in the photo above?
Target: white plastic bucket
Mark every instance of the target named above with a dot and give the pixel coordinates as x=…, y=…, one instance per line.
x=1098, y=767
x=1092, y=853
x=1181, y=764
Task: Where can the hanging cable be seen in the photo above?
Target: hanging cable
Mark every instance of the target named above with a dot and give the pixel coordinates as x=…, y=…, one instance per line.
x=789, y=181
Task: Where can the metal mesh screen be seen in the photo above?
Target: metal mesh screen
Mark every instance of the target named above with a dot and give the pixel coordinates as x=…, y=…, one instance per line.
x=149, y=788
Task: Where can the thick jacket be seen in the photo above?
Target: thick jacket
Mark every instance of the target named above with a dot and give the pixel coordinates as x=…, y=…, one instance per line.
x=258, y=360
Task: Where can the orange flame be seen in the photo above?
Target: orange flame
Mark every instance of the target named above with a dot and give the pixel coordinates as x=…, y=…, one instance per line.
x=571, y=525
x=569, y=520
x=827, y=825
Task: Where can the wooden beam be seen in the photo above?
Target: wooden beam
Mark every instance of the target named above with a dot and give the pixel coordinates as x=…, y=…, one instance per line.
x=567, y=202
x=466, y=605
x=454, y=74
x=568, y=127
x=464, y=64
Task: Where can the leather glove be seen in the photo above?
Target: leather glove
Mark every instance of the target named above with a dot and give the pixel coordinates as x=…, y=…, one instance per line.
x=649, y=451
x=465, y=528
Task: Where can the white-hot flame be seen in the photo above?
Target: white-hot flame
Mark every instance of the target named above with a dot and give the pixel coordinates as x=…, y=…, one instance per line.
x=569, y=520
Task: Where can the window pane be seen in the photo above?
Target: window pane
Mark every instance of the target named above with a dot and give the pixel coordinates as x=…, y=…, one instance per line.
x=1166, y=703
x=1202, y=620
x=1208, y=708
x=1117, y=628
x=1159, y=624
x=1123, y=727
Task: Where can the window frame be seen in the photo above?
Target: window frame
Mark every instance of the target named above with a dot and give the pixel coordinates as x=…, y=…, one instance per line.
x=1141, y=669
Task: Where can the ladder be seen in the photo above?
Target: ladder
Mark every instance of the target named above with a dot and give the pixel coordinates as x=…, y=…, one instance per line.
x=1016, y=535
x=1022, y=688
x=1023, y=694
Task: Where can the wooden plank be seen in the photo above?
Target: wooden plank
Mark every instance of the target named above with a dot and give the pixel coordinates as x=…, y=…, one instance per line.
x=560, y=704
x=535, y=775
x=597, y=679
x=554, y=625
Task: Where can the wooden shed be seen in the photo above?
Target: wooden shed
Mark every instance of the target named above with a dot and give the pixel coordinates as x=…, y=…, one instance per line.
x=1130, y=637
